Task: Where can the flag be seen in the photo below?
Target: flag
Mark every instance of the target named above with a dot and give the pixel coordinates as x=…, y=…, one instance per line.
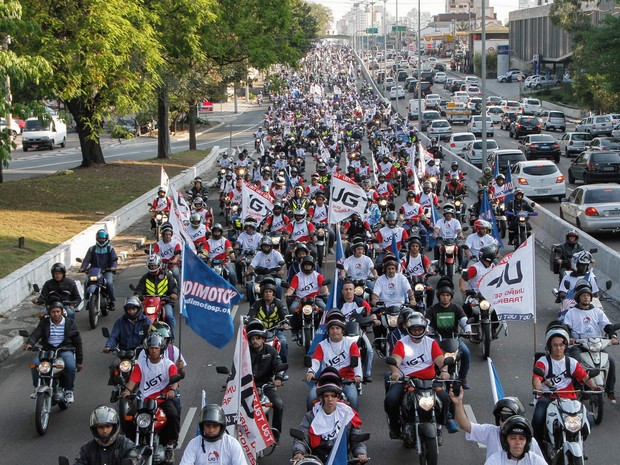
x=178, y=220
x=510, y=286
x=486, y=212
x=245, y=417
x=203, y=404
x=374, y=169
x=180, y=204
x=254, y=202
x=423, y=153
x=164, y=180
x=333, y=296
x=207, y=300
x=495, y=167
x=346, y=198
x=508, y=193
x=338, y=454
x=496, y=385
x=434, y=218
x=261, y=147
x=395, y=250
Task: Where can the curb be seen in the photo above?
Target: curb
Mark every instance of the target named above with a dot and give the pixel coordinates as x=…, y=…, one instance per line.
x=9, y=348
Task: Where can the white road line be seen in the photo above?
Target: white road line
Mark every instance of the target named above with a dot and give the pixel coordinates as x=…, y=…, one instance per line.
x=470, y=414
x=234, y=312
x=187, y=423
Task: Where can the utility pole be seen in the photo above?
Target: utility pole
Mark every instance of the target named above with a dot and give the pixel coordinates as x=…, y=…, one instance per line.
x=419, y=84
x=397, y=38
x=483, y=86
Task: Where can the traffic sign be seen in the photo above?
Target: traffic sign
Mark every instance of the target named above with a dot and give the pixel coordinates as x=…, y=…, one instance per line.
x=372, y=30
x=399, y=28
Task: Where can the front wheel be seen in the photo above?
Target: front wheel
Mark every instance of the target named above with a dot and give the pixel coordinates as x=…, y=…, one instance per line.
x=430, y=452
x=308, y=336
x=42, y=412
x=572, y=460
x=485, y=336
x=450, y=270
x=94, y=302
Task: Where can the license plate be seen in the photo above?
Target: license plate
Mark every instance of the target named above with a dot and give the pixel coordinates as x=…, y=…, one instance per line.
x=608, y=168
x=544, y=147
x=541, y=191
x=613, y=212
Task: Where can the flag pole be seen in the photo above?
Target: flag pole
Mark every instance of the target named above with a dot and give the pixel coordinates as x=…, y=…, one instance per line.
x=181, y=296
x=534, y=272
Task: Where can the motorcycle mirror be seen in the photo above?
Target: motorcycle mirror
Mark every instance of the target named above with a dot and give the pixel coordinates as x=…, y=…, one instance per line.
x=340, y=266
x=391, y=361
x=23, y=333
x=78, y=259
x=146, y=251
x=174, y=379
x=63, y=460
x=616, y=326
x=355, y=360
x=297, y=434
x=539, y=372
x=593, y=373
x=533, y=204
x=105, y=332
x=222, y=370
x=359, y=437
x=448, y=361
x=36, y=288
x=593, y=250
x=465, y=228
x=307, y=361
x=608, y=284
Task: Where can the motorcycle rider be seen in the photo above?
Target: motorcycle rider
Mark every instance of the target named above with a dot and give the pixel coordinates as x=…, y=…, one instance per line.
x=359, y=266
x=445, y=317
x=486, y=179
x=225, y=162
x=417, y=355
x=277, y=221
x=197, y=231
x=151, y=375
x=322, y=424
x=448, y=227
x=307, y=283
x=580, y=264
x=158, y=281
x=499, y=189
x=318, y=214
x=415, y=264
x=455, y=188
x=206, y=215
x=584, y=321
x=516, y=440
x=314, y=186
x=300, y=230
x=299, y=200
x=270, y=262
x=162, y=203
x=103, y=256
x=219, y=248
x=560, y=372
x=355, y=226
x=468, y=279
x=265, y=366
x=514, y=207
x=61, y=286
x=426, y=198
x=565, y=252
x=213, y=445
x=198, y=189
x=248, y=240
x=128, y=331
x=169, y=249
x=57, y=330
x=454, y=170
x=477, y=241
x=412, y=214
x=384, y=190
x=385, y=235
x=392, y=287
x=108, y=446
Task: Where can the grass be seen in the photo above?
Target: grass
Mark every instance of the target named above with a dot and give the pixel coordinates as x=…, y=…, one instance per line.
x=562, y=95
x=49, y=210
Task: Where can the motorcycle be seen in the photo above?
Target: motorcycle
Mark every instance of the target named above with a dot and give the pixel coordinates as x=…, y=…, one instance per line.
x=482, y=322
x=310, y=317
x=96, y=295
x=160, y=218
x=48, y=390
x=322, y=234
x=397, y=183
x=522, y=226
x=448, y=254
x=461, y=209
x=499, y=211
x=420, y=291
x=389, y=323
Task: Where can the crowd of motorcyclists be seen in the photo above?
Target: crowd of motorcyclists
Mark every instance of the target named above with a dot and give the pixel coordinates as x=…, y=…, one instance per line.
x=390, y=288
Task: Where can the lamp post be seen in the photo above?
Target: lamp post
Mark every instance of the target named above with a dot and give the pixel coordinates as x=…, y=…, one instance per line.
x=483, y=86
x=396, y=37
x=419, y=71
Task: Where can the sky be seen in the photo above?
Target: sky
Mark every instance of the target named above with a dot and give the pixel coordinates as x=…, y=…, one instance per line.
x=340, y=7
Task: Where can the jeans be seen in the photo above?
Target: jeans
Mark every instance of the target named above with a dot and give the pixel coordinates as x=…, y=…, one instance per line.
x=67, y=379
x=232, y=273
x=283, y=347
x=349, y=390
x=393, y=401
x=538, y=420
x=465, y=359
x=277, y=406
x=109, y=279
x=295, y=304
x=170, y=319
x=370, y=355
x=170, y=432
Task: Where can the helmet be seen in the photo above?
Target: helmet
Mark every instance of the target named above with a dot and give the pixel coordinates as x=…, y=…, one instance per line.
x=256, y=328
x=582, y=287
x=217, y=227
x=315, y=176
x=198, y=203
x=133, y=302
x=307, y=259
x=583, y=258
x=331, y=161
x=329, y=381
x=267, y=286
x=277, y=205
x=391, y=216
x=415, y=240
x=300, y=212
x=195, y=219
x=198, y=179
x=390, y=260
x=336, y=318
x=431, y=162
x=445, y=286
x=104, y=416
x=518, y=191
x=280, y=181
x=367, y=183
x=433, y=140
x=249, y=222
x=487, y=253
x=225, y=154
x=416, y=320
x=212, y=413
x=155, y=340
x=102, y=238
x=482, y=224
x=381, y=175
x=162, y=328
x=294, y=171
x=301, y=246
x=403, y=315
x=507, y=407
x=556, y=331
x=59, y=267
x=154, y=261
x=516, y=424
x=487, y=172
x=166, y=227
x=500, y=176
x=411, y=194
x=448, y=208
x=358, y=242
x=266, y=240
x=427, y=185
x=161, y=189
x=572, y=232
x=321, y=166
x=455, y=164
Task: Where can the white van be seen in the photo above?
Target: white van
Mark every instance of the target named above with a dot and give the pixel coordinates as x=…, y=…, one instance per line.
x=44, y=135
x=414, y=109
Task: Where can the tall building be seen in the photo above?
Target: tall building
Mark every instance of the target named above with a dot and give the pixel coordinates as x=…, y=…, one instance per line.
x=459, y=6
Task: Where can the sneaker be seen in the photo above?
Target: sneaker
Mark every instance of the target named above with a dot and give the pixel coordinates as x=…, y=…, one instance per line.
x=464, y=383
x=452, y=427
x=285, y=377
x=33, y=395
x=612, y=397
x=367, y=379
x=69, y=397
x=111, y=307
x=169, y=454
x=295, y=337
x=394, y=433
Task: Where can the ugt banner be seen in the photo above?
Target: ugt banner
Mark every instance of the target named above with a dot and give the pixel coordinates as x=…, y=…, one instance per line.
x=255, y=203
x=510, y=286
x=207, y=301
x=346, y=198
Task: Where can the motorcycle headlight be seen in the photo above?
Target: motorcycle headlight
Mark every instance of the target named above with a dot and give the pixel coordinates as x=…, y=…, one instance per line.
x=307, y=310
x=449, y=249
x=44, y=367
x=158, y=217
x=522, y=219
x=218, y=269
x=275, y=240
x=383, y=203
x=426, y=402
x=457, y=203
x=359, y=290
x=484, y=305
x=595, y=346
x=419, y=287
x=257, y=288
x=92, y=279
x=125, y=366
x=392, y=321
x=151, y=310
x=241, y=171
x=433, y=180
x=235, y=208
x=143, y=420
x=572, y=422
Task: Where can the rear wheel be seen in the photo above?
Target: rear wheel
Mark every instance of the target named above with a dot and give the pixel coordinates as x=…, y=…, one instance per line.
x=94, y=303
x=42, y=412
x=63, y=144
x=595, y=402
x=430, y=452
x=571, y=177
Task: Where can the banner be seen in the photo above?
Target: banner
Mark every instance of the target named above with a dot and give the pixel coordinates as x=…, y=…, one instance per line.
x=244, y=414
x=496, y=384
x=510, y=286
x=255, y=203
x=207, y=301
x=346, y=198
x=180, y=204
x=338, y=454
x=164, y=181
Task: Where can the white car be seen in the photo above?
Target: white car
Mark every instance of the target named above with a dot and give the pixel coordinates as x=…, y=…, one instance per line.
x=15, y=129
x=474, y=151
x=397, y=92
x=531, y=106
x=472, y=80
x=475, y=125
x=459, y=141
x=389, y=82
x=495, y=113
x=593, y=207
x=539, y=178
x=432, y=60
x=432, y=100
x=440, y=77
x=511, y=105
x=460, y=96
x=474, y=91
x=440, y=128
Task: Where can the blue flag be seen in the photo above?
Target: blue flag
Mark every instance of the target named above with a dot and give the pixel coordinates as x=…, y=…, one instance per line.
x=486, y=212
x=207, y=300
x=433, y=219
x=496, y=384
x=509, y=196
x=338, y=454
x=289, y=182
x=395, y=250
x=496, y=167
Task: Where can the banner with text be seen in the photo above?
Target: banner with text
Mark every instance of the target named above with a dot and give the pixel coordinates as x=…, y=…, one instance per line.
x=346, y=198
x=255, y=203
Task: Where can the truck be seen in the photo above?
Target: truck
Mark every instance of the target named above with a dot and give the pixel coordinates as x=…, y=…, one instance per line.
x=458, y=112
x=47, y=133
x=414, y=109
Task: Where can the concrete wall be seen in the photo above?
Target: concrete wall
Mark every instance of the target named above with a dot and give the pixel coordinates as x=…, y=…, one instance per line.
x=18, y=285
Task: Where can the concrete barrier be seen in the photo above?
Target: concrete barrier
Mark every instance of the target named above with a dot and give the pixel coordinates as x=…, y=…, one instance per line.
x=18, y=285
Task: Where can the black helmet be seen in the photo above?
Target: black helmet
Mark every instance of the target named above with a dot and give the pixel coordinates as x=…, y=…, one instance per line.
x=582, y=287
x=166, y=227
x=336, y=318
x=155, y=340
x=308, y=259
x=104, y=416
x=256, y=327
x=487, y=253
x=329, y=381
x=411, y=194
x=487, y=171
x=212, y=413
x=133, y=302
x=59, y=267
x=217, y=227
x=416, y=320
x=403, y=315
x=267, y=286
x=506, y=407
x=102, y=237
x=445, y=286
x=516, y=424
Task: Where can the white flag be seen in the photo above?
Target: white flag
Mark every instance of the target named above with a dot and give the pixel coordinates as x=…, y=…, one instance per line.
x=510, y=286
x=346, y=198
x=255, y=203
x=244, y=414
x=180, y=233
x=164, y=181
x=374, y=169
x=181, y=204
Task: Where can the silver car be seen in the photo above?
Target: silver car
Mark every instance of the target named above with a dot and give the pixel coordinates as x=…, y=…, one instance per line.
x=440, y=128
x=573, y=143
x=593, y=207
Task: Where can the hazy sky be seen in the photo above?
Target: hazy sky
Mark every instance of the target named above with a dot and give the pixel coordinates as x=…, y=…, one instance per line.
x=340, y=7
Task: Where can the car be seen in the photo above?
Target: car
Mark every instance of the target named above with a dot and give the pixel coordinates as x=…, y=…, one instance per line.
x=440, y=67
x=552, y=120
x=595, y=166
x=604, y=143
x=524, y=125
x=428, y=117
x=615, y=132
x=504, y=157
x=409, y=80
x=389, y=82
x=542, y=81
x=439, y=128
x=540, y=178
x=474, y=104
x=507, y=118
x=439, y=77
x=494, y=100
x=593, y=208
x=475, y=125
x=472, y=80
x=397, y=92
x=402, y=75
x=427, y=75
x=511, y=105
x=460, y=96
x=459, y=141
x=530, y=106
x=573, y=143
x=15, y=129
x=456, y=85
x=425, y=86
x=528, y=80
x=495, y=113
x=128, y=124
x=615, y=118
x=597, y=125
x=540, y=146
x=447, y=83
x=511, y=75
x=433, y=100
x=474, y=151
x=473, y=91
x=443, y=104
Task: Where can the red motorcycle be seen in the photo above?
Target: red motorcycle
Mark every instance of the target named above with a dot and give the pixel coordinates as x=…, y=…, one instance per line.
x=448, y=253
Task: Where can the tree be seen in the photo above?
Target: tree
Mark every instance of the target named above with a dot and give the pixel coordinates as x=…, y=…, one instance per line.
x=104, y=54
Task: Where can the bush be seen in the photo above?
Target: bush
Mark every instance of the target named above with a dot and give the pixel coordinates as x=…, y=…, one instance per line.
x=118, y=132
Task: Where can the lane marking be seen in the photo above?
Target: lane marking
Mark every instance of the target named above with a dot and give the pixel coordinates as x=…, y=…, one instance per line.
x=234, y=311
x=187, y=423
x=470, y=414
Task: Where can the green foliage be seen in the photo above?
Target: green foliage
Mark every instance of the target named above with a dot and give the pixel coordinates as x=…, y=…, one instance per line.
x=568, y=15
x=491, y=64
x=322, y=15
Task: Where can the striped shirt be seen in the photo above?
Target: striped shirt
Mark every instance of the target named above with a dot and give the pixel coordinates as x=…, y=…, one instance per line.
x=57, y=333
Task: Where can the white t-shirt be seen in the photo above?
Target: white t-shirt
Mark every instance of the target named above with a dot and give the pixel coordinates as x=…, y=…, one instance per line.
x=586, y=323
x=475, y=242
x=249, y=241
x=501, y=458
x=448, y=229
x=226, y=451
x=269, y=261
x=358, y=268
x=489, y=436
x=392, y=291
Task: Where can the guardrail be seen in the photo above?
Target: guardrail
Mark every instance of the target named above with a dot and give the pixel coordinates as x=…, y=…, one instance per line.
x=18, y=285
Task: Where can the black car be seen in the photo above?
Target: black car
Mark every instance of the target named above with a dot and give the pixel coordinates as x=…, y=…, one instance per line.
x=426, y=89
x=507, y=119
x=402, y=76
x=440, y=67
x=595, y=166
x=456, y=85
x=427, y=75
x=524, y=125
x=540, y=146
